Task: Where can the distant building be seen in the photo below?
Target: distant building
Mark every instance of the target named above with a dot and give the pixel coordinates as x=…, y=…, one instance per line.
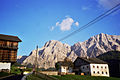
x=65, y=67
x=8, y=51
x=91, y=66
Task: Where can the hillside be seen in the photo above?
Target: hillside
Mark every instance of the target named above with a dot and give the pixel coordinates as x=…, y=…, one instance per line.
x=113, y=60
x=110, y=55
x=54, y=50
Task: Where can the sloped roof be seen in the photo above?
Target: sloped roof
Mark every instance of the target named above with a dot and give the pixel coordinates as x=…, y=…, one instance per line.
x=93, y=60
x=66, y=62
x=9, y=38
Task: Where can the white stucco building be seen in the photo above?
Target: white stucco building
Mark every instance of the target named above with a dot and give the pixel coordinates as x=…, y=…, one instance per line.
x=91, y=66
x=65, y=66
x=65, y=69
x=5, y=66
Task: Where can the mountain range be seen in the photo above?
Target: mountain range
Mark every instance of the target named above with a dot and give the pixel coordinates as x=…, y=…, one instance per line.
x=54, y=50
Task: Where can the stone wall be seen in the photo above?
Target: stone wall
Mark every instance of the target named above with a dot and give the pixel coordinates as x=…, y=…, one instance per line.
x=49, y=72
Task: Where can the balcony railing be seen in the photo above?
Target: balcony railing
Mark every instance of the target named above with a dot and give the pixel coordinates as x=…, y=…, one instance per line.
x=8, y=60
x=9, y=47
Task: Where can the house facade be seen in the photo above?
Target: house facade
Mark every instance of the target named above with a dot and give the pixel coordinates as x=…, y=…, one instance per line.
x=91, y=66
x=65, y=69
x=8, y=51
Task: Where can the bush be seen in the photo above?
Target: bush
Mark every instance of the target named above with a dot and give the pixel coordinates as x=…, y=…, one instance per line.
x=15, y=70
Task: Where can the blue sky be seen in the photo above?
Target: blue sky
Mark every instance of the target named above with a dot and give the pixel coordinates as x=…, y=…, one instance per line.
x=38, y=21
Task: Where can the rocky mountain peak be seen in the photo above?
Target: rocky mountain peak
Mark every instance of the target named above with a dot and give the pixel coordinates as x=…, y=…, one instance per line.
x=97, y=45
x=54, y=50
x=51, y=43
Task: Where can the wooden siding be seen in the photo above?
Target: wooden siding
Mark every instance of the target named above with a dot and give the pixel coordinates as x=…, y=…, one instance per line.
x=8, y=51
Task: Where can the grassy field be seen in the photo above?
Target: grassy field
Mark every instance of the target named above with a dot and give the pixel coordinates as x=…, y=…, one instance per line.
x=67, y=77
x=78, y=77
x=40, y=76
x=33, y=77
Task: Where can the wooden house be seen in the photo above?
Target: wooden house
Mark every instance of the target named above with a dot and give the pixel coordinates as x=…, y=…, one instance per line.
x=91, y=66
x=8, y=51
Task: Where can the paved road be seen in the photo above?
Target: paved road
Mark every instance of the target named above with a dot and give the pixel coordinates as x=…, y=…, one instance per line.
x=15, y=77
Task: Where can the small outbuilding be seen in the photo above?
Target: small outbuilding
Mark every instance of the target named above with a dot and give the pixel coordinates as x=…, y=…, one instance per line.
x=64, y=67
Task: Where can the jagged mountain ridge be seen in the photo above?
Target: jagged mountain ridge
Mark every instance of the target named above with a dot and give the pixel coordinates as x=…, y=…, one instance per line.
x=97, y=45
x=54, y=51
x=49, y=54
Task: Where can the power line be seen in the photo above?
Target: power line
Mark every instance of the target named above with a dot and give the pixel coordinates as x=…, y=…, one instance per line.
x=105, y=14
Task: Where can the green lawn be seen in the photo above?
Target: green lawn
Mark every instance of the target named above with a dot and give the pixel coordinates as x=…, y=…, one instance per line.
x=79, y=77
x=33, y=77
x=40, y=76
x=67, y=77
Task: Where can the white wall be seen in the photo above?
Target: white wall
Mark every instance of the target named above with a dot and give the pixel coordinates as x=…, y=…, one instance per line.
x=5, y=65
x=64, y=69
x=99, y=70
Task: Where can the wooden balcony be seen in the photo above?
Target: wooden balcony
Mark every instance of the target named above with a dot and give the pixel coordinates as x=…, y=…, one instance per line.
x=8, y=60
x=8, y=47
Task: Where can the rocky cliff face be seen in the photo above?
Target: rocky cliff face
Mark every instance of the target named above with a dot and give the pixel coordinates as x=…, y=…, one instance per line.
x=54, y=51
x=20, y=59
x=97, y=45
x=49, y=54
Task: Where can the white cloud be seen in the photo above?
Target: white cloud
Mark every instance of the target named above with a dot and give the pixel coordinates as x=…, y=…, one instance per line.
x=57, y=23
x=107, y=4
x=52, y=28
x=84, y=8
x=65, y=24
x=77, y=24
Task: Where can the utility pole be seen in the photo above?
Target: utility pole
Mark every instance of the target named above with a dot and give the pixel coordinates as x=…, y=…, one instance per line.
x=36, y=62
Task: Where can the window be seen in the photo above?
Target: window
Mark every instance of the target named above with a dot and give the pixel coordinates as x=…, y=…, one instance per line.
x=102, y=72
x=97, y=66
x=1, y=43
x=101, y=66
x=106, y=72
x=83, y=67
x=98, y=72
x=105, y=67
x=94, y=72
x=87, y=66
x=11, y=44
x=93, y=66
x=15, y=44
